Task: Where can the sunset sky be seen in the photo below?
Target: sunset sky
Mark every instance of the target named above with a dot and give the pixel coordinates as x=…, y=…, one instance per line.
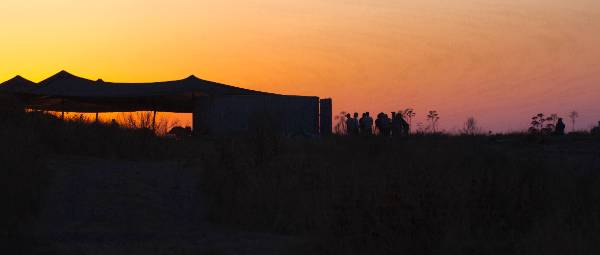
x=499, y=61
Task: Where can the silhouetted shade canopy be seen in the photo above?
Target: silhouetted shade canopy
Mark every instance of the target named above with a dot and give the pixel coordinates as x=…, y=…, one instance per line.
x=66, y=92
x=17, y=84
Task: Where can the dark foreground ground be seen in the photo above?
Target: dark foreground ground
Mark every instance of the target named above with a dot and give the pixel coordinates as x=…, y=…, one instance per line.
x=76, y=188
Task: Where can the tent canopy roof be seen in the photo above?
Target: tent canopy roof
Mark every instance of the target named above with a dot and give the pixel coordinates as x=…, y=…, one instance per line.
x=17, y=84
x=66, y=92
x=64, y=84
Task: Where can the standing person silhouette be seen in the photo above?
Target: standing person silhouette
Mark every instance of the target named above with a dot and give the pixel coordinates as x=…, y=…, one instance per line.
x=396, y=125
x=383, y=124
x=362, y=125
x=387, y=124
x=379, y=123
x=356, y=124
x=368, y=124
x=560, y=127
x=350, y=125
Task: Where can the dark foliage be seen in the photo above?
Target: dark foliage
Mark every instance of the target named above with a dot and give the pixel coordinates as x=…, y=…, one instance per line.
x=422, y=195
x=22, y=179
x=426, y=194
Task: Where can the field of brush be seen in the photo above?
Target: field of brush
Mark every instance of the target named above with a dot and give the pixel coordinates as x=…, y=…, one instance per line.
x=427, y=194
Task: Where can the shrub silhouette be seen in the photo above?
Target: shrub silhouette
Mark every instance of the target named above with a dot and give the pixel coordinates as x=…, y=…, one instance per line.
x=340, y=126
x=433, y=117
x=470, y=127
x=540, y=124
x=573, y=116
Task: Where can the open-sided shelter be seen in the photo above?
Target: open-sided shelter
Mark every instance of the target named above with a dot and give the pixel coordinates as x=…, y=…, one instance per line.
x=217, y=108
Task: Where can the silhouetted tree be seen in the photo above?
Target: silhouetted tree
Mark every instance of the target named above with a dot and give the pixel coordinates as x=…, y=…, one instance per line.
x=573, y=116
x=537, y=123
x=553, y=118
x=551, y=125
x=433, y=118
x=542, y=124
x=340, y=126
x=409, y=113
x=420, y=128
x=470, y=127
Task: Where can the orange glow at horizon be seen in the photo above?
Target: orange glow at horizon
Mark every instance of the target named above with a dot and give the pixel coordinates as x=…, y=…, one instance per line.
x=498, y=61
x=164, y=121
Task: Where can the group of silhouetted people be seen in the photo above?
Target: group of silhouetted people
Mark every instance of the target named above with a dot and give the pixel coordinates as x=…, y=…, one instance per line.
x=384, y=125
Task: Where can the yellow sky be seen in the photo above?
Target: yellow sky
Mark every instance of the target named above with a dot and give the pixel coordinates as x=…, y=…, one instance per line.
x=499, y=61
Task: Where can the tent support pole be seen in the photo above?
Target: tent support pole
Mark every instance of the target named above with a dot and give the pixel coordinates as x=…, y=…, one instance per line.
x=96, y=117
x=193, y=113
x=62, y=104
x=154, y=121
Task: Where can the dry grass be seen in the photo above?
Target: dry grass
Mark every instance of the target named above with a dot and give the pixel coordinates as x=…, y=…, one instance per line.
x=22, y=179
x=438, y=194
x=423, y=195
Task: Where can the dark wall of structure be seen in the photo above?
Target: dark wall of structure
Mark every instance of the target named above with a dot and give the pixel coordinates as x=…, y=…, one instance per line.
x=291, y=115
x=325, y=116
